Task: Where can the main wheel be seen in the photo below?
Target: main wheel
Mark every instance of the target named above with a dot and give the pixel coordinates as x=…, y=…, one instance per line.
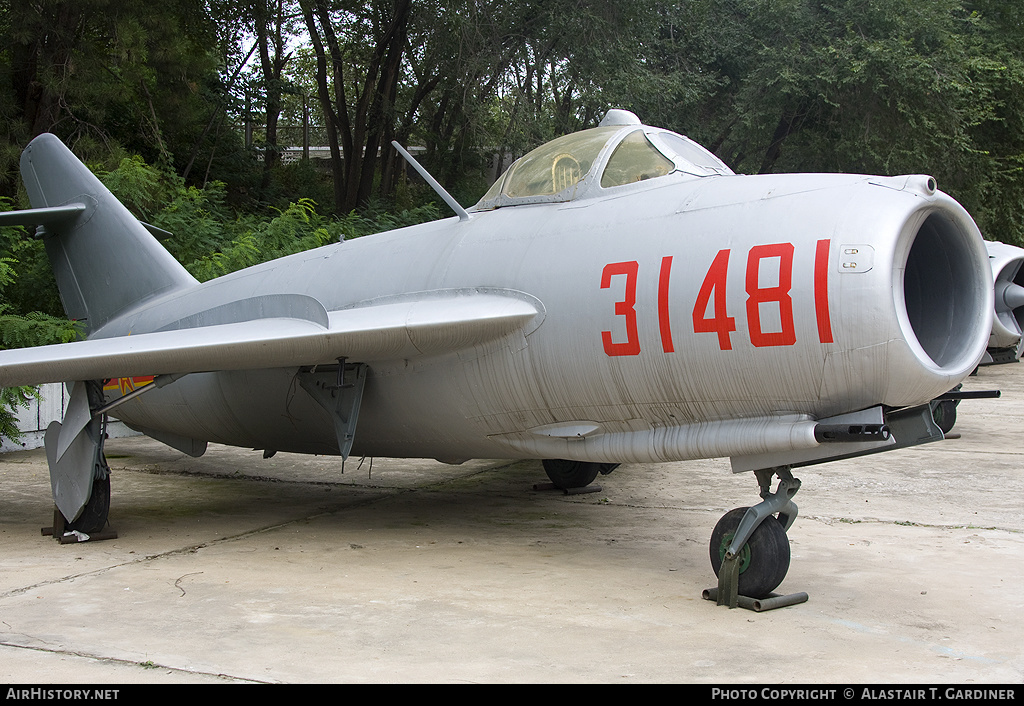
x=571, y=474
x=944, y=414
x=94, y=514
x=764, y=559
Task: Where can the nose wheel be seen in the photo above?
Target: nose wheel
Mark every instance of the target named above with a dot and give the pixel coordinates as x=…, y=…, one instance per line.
x=763, y=560
x=750, y=550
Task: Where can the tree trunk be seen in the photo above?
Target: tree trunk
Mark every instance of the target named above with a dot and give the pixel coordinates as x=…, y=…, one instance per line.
x=327, y=106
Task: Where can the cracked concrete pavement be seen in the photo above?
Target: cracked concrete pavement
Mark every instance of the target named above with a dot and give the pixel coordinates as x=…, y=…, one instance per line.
x=233, y=568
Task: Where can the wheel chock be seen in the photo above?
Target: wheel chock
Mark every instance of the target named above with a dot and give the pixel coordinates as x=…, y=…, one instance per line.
x=57, y=531
x=759, y=605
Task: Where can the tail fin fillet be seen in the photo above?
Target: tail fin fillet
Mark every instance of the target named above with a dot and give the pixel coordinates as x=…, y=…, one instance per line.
x=105, y=261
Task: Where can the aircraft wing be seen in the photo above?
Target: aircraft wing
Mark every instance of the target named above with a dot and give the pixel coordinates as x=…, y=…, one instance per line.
x=384, y=331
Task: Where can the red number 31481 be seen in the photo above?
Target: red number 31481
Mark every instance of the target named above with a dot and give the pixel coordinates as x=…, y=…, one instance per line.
x=712, y=297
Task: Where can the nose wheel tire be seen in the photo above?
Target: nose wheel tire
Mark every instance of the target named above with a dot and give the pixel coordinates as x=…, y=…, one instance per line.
x=764, y=559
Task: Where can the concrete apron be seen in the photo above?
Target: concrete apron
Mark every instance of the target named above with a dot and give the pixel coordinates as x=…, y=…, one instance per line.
x=231, y=567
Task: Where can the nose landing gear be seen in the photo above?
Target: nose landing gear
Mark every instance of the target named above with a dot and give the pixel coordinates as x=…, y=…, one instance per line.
x=750, y=550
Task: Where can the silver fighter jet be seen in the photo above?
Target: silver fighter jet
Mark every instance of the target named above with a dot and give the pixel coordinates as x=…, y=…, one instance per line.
x=1004, y=345
x=618, y=296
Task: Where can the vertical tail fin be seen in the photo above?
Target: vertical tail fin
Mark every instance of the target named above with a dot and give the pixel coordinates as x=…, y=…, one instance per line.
x=104, y=259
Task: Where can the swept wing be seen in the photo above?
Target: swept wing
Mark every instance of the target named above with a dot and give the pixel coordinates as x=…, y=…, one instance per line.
x=432, y=324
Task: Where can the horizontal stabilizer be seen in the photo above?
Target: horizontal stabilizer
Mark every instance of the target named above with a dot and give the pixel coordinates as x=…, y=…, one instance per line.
x=42, y=216
x=390, y=331
x=58, y=215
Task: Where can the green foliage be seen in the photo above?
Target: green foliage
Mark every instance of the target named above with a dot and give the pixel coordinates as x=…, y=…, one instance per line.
x=34, y=288
x=872, y=87
x=199, y=220
x=239, y=253
x=296, y=229
x=141, y=188
x=35, y=329
x=378, y=217
x=300, y=178
x=11, y=400
x=211, y=240
x=20, y=331
x=769, y=85
x=102, y=74
x=22, y=324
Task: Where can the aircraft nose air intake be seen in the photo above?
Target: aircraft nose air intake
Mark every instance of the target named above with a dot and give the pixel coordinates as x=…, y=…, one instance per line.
x=943, y=291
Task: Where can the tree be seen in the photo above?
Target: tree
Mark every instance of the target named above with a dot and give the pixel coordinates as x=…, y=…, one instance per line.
x=21, y=330
x=873, y=87
x=274, y=25
x=359, y=110
x=105, y=76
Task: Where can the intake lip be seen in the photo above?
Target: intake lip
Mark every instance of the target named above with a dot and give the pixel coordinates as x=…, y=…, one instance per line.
x=942, y=285
x=1008, y=273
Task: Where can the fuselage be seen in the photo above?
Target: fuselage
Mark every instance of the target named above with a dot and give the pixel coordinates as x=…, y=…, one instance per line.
x=667, y=306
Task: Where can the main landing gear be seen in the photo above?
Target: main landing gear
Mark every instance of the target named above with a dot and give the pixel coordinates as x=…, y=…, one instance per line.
x=575, y=476
x=91, y=525
x=79, y=474
x=750, y=550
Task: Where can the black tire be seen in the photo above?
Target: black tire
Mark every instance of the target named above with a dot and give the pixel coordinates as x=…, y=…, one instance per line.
x=944, y=414
x=764, y=559
x=94, y=514
x=571, y=474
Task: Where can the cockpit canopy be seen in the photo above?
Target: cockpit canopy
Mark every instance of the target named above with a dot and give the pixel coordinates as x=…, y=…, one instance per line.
x=620, y=151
